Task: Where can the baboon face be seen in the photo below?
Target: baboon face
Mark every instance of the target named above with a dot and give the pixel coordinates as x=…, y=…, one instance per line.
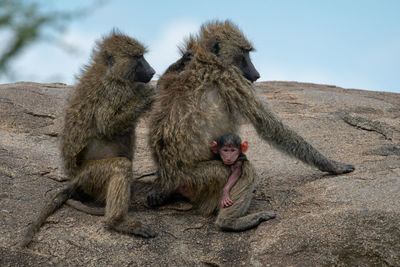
x=229, y=154
x=236, y=55
x=229, y=147
x=243, y=62
x=143, y=71
x=131, y=68
x=123, y=58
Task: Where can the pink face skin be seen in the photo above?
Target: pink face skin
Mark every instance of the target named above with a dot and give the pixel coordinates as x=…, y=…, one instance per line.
x=229, y=154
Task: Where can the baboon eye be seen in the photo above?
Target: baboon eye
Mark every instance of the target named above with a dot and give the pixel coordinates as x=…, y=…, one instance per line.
x=237, y=60
x=243, y=61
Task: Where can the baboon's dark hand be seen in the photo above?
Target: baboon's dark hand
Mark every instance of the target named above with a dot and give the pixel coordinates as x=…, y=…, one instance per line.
x=349, y=168
x=342, y=168
x=156, y=199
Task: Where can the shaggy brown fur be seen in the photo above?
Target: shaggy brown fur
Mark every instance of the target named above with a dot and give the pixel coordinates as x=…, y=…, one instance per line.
x=202, y=102
x=99, y=132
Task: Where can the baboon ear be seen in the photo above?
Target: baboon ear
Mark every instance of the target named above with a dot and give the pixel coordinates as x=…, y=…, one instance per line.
x=245, y=146
x=215, y=45
x=214, y=147
x=108, y=58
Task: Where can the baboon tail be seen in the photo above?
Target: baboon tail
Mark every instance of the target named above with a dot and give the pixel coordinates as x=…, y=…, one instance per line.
x=97, y=211
x=56, y=201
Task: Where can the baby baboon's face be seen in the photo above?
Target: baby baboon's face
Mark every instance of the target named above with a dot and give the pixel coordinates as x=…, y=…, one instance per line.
x=229, y=154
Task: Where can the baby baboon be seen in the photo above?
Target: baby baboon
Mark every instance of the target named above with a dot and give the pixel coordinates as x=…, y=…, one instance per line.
x=99, y=131
x=203, y=101
x=230, y=149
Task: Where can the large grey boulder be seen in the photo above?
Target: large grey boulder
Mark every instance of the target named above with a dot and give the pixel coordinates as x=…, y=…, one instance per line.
x=322, y=219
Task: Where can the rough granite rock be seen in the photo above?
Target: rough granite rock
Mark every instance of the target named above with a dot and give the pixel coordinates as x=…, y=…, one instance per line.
x=322, y=219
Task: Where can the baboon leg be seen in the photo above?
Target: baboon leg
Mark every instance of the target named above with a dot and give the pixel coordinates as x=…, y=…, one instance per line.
x=206, y=177
x=117, y=201
x=55, y=202
x=233, y=218
x=109, y=180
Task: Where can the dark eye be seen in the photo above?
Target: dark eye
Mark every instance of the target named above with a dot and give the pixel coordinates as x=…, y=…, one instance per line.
x=239, y=60
x=136, y=58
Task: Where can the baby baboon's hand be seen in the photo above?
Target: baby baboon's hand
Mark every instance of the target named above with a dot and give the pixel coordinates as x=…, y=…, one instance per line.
x=226, y=200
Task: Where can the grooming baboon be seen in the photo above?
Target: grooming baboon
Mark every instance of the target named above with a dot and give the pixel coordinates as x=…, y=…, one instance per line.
x=202, y=102
x=99, y=131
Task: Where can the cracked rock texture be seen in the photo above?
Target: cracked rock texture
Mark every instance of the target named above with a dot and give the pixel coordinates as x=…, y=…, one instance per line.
x=322, y=220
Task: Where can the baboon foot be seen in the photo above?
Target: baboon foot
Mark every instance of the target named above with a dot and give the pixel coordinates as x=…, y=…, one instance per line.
x=156, y=198
x=134, y=228
x=265, y=216
x=244, y=223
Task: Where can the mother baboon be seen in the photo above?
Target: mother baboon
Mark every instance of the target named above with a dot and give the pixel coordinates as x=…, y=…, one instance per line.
x=203, y=101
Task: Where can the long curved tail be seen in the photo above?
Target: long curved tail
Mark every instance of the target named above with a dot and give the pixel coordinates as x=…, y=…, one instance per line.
x=55, y=202
x=96, y=211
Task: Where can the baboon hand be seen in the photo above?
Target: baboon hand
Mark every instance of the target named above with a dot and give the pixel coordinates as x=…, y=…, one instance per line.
x=226, y=200
x=155, y=199
x=341, y=168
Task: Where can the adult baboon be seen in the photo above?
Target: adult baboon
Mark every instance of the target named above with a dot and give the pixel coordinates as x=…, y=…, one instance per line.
x=200, y=103
x=99, y=131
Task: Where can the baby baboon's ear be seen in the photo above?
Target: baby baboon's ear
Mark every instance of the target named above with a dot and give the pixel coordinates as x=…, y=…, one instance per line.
x=108, y=58
x=245, y=146
x=214, y=147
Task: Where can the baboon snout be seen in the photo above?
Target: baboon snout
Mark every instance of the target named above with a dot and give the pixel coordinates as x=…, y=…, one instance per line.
x=144, y=72
x=256, y=76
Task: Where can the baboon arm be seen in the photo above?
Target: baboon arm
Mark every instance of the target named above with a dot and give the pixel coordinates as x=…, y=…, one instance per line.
x=236, y=171
x=235, y=174
x=270, y=127
x=209, y=173
x=114, y=117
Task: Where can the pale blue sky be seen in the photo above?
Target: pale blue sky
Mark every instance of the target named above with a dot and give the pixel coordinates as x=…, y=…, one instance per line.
x=351, y=44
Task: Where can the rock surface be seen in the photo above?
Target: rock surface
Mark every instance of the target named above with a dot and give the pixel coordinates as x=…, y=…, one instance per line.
x=322, y=220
